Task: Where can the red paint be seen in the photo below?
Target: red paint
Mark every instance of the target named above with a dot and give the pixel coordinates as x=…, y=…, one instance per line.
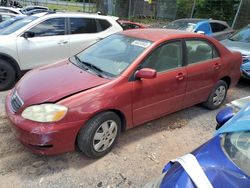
x=139, y=101
x=146, y=73
x=127, y=23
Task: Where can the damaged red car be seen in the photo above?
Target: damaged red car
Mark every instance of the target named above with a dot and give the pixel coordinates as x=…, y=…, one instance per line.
x=120, y=82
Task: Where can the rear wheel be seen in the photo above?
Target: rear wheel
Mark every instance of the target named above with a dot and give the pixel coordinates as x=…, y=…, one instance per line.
x=7, y=75
x=99, y=134
x=217, y=96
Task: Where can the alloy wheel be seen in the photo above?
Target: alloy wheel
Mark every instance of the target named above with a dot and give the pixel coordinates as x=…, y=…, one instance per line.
x=105, y=135
x=219, y=95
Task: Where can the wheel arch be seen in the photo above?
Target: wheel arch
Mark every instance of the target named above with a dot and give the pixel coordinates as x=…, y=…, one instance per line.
x=13, y=62
x=227, y=79
x=120, y=114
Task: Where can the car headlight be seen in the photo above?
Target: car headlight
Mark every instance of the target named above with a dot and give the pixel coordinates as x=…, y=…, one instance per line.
x=45, y=112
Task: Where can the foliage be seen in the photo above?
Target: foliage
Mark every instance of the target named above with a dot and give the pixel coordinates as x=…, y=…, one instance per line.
x=216, y=9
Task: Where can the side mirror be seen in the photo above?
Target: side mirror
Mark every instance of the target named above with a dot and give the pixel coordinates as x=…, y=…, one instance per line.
x=223, y=116
x=28, y=34
x=146, y=73
x=201, y=32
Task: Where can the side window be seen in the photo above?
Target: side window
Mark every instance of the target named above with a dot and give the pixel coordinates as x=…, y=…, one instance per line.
x=198, y=51
x=165, y=57
x=82, y=25
x=217, y=27
x=51, y=27
x=104, y=24
x=6, y=17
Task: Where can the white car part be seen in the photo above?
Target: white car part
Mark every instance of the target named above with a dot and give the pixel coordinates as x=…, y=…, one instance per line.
x=194, y=170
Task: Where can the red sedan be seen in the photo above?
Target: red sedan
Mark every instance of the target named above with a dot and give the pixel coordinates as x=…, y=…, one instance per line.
x=118, y=83
x=126, y=24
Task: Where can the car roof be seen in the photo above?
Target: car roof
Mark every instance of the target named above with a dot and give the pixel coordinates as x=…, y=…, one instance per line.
x=191, y=20
x=10, y=8
x=7, y=13
x=197, y=20
x=35, y=6
x=90, y=15
x=154, y=34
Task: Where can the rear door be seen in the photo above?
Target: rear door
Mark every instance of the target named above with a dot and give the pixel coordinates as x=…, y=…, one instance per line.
x=49, y=44
x=164, y=94
x=203, y=70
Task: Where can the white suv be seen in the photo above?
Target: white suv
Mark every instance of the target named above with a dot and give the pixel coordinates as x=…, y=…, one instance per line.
x=48, y=37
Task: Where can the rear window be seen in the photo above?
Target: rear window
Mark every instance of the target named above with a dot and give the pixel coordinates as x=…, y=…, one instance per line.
x=217, y=27
x=199, y=50
x=104, y=24
x=82, y=25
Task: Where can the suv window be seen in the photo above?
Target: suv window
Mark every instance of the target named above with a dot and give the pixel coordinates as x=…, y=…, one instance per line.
x=198, y=51
x=165, y=57
x=104, y=24
x=4, y=17
x=217, y=27
x=50, y=27
x=82, y=25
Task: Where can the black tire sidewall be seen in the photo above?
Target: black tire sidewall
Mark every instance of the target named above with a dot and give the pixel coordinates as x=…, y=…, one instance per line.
x=209, y=103
x=11, y=75
x=86, y=134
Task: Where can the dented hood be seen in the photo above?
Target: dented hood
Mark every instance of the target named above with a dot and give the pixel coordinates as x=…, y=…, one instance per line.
x=56, y=81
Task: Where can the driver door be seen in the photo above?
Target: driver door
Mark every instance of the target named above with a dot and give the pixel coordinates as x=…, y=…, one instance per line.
x=164, y=94
x=48, y=45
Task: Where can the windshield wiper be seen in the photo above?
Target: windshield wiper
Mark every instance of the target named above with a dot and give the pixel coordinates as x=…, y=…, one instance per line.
x=88, y=66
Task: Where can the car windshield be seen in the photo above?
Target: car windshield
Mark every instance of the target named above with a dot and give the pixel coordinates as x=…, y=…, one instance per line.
x=242, y=35
x=112, y=55
x=181, y=25
x=237, y=147
x=6, y=23
x=17, y=25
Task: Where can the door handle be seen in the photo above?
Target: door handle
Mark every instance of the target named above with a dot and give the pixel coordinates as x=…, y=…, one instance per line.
x=217, y=66
x=62, y=42
x=180, y=76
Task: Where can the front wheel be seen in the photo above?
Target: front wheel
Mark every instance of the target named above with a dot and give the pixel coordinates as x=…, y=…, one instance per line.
x=217, y=96
x=7, y=75
x=99, y=134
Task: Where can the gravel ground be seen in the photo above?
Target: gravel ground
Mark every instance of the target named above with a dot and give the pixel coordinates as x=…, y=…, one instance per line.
x=138, y=157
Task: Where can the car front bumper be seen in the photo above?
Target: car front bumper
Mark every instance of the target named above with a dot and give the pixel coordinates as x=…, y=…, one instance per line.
x=43, y=138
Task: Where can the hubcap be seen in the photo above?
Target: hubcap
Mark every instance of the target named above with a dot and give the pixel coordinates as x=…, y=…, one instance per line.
x=219, y=95
x=3, y=76
x=105, y=135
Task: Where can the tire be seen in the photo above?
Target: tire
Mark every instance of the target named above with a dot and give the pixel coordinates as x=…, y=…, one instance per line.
x=7, y=75
x=220, y=90
x=99, y=135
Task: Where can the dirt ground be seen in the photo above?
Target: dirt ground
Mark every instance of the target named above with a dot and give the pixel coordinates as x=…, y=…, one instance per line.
x=138, y=157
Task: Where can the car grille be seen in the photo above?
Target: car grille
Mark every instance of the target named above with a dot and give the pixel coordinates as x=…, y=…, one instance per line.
x=16, y=102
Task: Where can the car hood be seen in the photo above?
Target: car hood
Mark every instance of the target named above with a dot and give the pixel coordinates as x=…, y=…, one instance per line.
x=241, y=47
x=218, y=168
x=54, y=82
